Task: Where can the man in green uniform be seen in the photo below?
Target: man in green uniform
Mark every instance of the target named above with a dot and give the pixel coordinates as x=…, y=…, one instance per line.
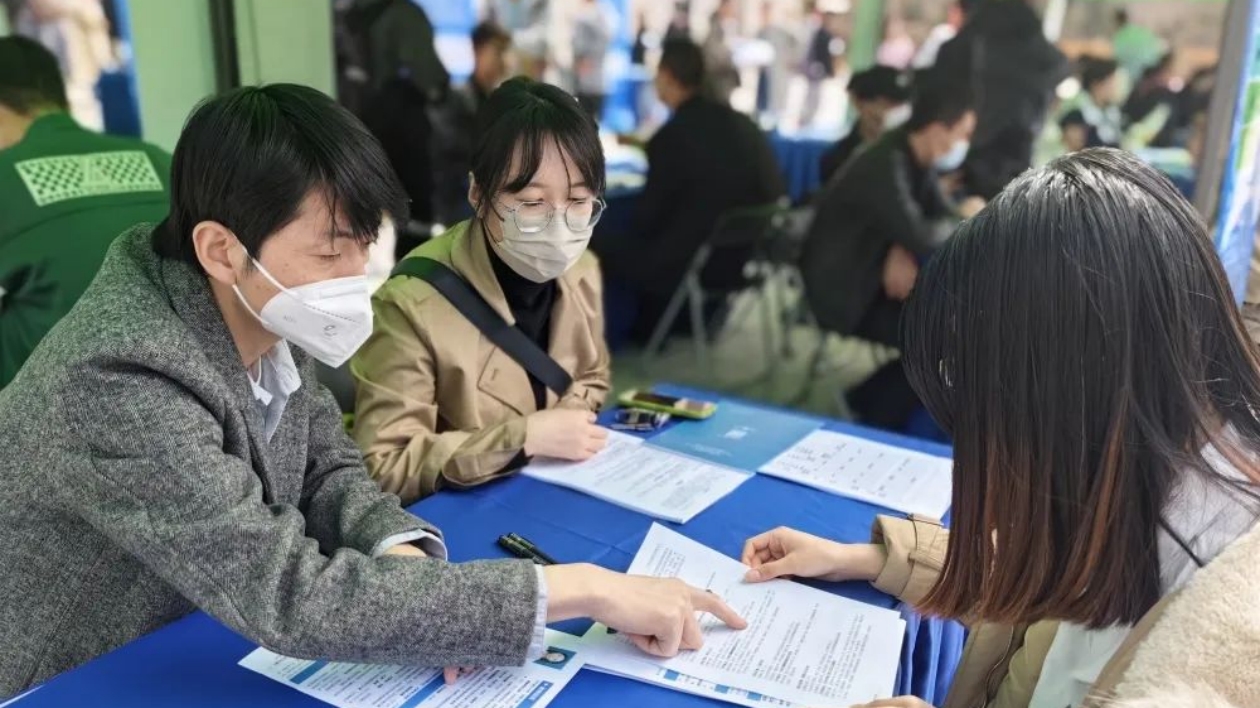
x=65, y=194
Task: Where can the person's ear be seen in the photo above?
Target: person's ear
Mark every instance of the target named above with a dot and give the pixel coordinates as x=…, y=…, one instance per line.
x=474, y=194
x=218, y=251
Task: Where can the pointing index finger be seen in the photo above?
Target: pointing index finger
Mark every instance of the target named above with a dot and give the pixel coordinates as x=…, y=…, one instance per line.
x=705, y=601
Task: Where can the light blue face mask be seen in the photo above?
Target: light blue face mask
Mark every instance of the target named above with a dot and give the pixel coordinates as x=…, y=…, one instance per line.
x=953, y=159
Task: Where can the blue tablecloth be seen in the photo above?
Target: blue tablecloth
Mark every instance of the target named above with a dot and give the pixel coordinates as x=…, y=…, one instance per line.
x=799, y=159
x=193, y=662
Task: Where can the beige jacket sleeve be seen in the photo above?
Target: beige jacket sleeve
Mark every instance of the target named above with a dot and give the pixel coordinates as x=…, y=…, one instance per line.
x=1001, y=666
x=916, y=553
x=396, y=421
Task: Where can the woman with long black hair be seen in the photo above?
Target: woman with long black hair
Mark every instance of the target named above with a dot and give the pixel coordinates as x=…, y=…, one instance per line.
x=1079, y=341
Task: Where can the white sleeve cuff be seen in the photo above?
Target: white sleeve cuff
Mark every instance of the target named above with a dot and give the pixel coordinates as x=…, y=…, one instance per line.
x=538, y=646
x=432, y=546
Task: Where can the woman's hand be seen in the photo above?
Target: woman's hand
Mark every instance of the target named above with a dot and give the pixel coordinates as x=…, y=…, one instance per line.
x=788, y=552
x=564, y=434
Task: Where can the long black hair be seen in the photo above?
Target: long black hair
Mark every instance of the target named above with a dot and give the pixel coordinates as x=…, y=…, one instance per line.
x=1080, y=342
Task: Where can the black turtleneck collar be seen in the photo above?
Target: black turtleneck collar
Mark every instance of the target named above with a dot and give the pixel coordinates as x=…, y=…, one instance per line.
x=531, y=304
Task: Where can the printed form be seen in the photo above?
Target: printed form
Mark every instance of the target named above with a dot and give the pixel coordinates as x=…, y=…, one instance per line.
x=802, y=645
x=643, y=478
x=892, y=477
x=348, y=685
x=651, y=673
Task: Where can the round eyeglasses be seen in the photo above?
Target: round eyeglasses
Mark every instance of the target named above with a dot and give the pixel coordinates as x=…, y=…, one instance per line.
x=579, y=215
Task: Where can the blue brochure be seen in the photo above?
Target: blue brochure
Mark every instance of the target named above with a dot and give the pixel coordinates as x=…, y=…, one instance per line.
x=738, y=436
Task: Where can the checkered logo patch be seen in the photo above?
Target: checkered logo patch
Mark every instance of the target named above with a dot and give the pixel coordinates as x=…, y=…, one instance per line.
x=57, y=179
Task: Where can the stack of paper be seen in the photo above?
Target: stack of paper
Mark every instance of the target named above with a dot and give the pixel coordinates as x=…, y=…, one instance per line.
x=349, y=685
x=893, y=477
x=651, y=673
x=802, y=645
x=643, y=478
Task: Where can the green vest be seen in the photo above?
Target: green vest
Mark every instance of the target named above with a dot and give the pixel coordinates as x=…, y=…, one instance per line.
x=65, y=194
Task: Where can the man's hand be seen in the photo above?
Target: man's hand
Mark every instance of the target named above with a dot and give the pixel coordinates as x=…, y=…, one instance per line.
x=970, y=207
x=900, y=272
x=658, y=615
x=406, y=549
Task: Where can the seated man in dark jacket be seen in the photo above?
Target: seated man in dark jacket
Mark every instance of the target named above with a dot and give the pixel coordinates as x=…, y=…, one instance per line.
x=875, y=221
x=707, y=160
x=880, y=95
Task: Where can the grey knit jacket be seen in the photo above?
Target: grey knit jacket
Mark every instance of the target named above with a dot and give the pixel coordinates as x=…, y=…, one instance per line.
x=136, y=485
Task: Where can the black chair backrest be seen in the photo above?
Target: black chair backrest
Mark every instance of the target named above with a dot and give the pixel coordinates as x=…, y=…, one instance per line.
x=738, y=237
x=744, y=226
x=788, y=230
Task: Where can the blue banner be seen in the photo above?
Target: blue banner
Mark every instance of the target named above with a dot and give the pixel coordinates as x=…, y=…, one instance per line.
x=1240, y=184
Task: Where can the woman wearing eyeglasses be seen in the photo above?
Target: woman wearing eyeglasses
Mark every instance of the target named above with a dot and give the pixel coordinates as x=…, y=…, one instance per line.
x=440, y=404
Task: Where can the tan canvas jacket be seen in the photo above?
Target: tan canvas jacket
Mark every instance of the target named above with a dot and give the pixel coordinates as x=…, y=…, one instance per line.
x=437, y=402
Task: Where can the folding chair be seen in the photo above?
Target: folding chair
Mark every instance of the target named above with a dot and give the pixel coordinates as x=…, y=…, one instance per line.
x=788, y=230
x=737, y=229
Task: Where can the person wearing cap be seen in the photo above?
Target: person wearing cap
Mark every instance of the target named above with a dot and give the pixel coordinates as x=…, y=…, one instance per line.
x=881, y=96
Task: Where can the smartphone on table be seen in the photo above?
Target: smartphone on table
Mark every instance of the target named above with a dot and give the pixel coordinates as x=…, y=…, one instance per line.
x=639, y=421
x=673, y=405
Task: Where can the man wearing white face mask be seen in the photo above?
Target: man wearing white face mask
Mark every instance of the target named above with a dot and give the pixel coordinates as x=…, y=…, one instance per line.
x=167, y=447
x=875, y=221
x=881, y=96
x=440, y=402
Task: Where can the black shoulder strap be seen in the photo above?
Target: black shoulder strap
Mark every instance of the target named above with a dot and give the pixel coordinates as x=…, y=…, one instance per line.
x=475, y=309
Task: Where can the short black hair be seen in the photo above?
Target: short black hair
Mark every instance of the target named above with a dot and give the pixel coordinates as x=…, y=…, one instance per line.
x=684, y=60
x=524, y=115
x=1095, y=70
x=30, y=78
x=488, y=32
x=1122, y=17
x=249, y=157
x=880, y=81
x=938, y=99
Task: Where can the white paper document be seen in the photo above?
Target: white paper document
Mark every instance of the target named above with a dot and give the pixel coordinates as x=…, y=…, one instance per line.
x=347, y=685
x=802, y=645
x=905, y=480
x=654, y=674
x=643, y=478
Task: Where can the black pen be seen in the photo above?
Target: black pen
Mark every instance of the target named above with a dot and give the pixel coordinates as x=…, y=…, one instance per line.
x=529, y=545
x=513, y=544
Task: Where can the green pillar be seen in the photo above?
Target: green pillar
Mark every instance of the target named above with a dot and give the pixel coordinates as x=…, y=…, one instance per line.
x=868, y=25
x=174, y=63
x=285, y=41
